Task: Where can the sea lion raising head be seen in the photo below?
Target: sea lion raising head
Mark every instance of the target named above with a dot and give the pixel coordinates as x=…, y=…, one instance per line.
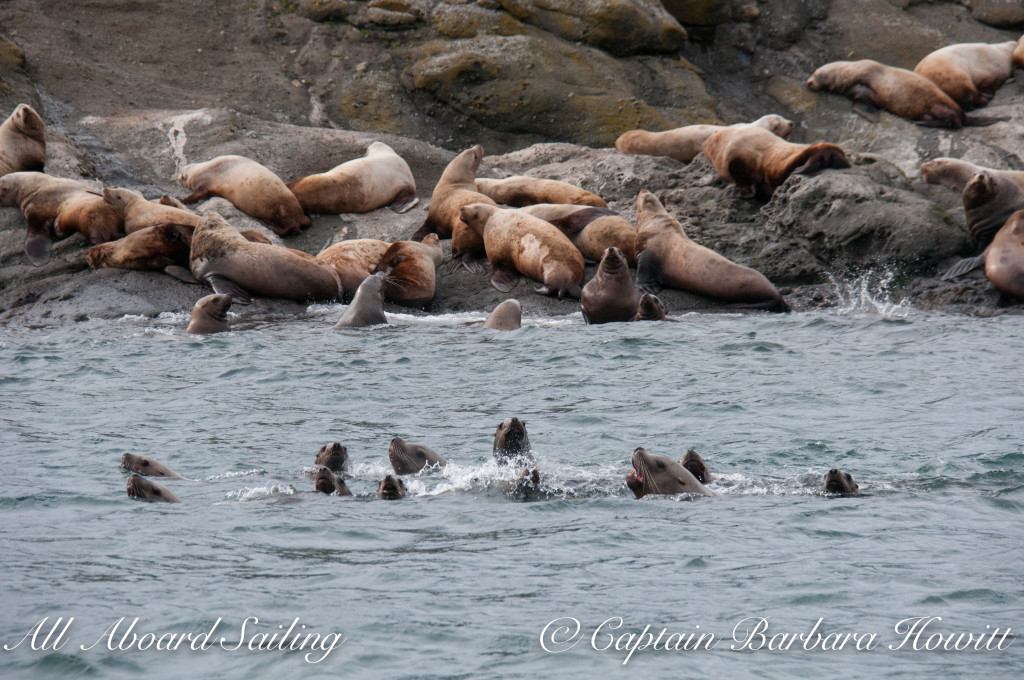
x=333, y=456
x=839, y=482
x=651, y=308
x=661, y=475
x=367, y=306
x=143, y=489
x=408, y=458
x=325, y=481
x=210, y=315
x=511, y=443
x=391, y=488
x=22, y=141
x=147, y=466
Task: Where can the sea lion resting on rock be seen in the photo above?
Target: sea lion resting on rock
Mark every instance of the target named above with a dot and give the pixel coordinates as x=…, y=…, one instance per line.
x=22, y=141
x=666, y=256
x=252, y=188
x=758, y=162
x=325, y=481
x=391, y=488
x=210, y=315
x=1004, y=263
x=951, y=173
x=839, y=482
x=411, y=271
x=354, y=260
x=508, y=316
x=147, y=466
x=519, y=191
x=140, y=213
x=609, y=296
x=661, y=475
x=57, y=208
x=970, y=73
x=684, y=143
x=651, y=308
x=381, y=178
x=590, y=229
x=367, y=306
x=143, y=489
x=333, y=456
x=408, y=458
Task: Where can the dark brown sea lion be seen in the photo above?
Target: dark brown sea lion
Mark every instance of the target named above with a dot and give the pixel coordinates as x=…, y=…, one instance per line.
x=1004, y=263
x=511, y=443
x=147, y=466
x=667, y=257
x=758, y=162
x=367, y=306
x=325, y=481
x=353, y=260
x=210, y=315
x=140, y=213
x=408, y=458
x=590, y=229
x=683, y=144
x=989, y=198
x=970, y=73
x=411, y=271
x=508, y=316
x=693, y=462
x=252, y=188
x=22, y=141
x=519, y=191
x=391, y=488
x=661, y=475
x=57, y=208
x=609, y=296
x=518, y=243
x=333, y=456
x=837, y=481
x=224, y=259
x=143, y=489
x=380, y=178
x=650, y=308
x=163, y=247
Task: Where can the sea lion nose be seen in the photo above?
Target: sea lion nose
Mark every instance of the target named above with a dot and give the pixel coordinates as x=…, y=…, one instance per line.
x=833, y=471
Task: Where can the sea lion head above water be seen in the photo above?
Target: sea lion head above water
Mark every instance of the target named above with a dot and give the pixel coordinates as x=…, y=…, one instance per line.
x=147, y=466
x=511, y=443
x=651, y=308
x=143, y=489
x=839, y=482
x=210, y=315
x=325, y=481
x=391, y=488
x=661, y=475
x=408, y=459
x=333, y=456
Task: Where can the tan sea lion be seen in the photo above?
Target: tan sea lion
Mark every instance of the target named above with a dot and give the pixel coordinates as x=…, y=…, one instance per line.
x=225, y=260
x=325, y=481
x=380, y=178
x=210, y=315
x=367, y=306
x=408, y=458
x=171, y=201
x=989, y=198
x=1018, y=53
x=147, y=466
x=661, y=475
x=590, y=229
x=410, y=268
x=252, y=188
x=391, y=488
x=508, y=316
x=333, y=456
x=839, y=482
x=693, y=462
x=22, y=141
x=140, y=213
x=163, y=247
x=512, y=443
x=651, y=308
x=353, y=260
x=970, y=73
x=667, y=257
x=143, y=489
x=758, y=162
x=684, y=143
x=1004, y=262
x=519, y=191
x=609, y=296
x=951, y=173
x=518, y=243
x=55, y=209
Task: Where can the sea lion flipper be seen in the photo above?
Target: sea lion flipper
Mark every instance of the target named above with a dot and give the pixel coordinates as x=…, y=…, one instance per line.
x=504, y=278
x=647, y=274
x=963, y=266
x=180, y=273
x=167, y=199
x=451, y=266
x=38, y=241
x=982, y=121
x=196, y=196
x=404, y=202
x=224, y=286
x=472, y=264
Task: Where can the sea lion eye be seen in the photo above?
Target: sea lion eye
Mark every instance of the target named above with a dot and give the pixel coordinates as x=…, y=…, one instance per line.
x=422, y=455
x=145, y=463
x=661, y=466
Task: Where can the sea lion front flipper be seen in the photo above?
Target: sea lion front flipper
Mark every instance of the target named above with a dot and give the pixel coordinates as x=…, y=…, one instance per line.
x=167, y=199
x=965, y=265
x=504, y=278
x=196, y=196
x=865, y=102
x=404, y=202
x=647, y=274
x=38, y=242
x=225, y=286
x=180, y=273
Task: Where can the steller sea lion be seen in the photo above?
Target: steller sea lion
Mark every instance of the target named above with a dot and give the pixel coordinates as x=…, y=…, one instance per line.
x=661, y=475
x=1004, y=262
x=22, y=141
x=951, y=173
x=408, y=458
x=353, y=260
x=380, y=178
x=333, y=456
x=666, y=256
x=57, y=208
x=210, y=315
x=517, y=243
x=970, y=73
x=758, y=162
x=325, y=481
x=651, y=308
x=252, y=188
x=143, y=489
x=391, y=488
x=989, y=198
x=839, y=482
x=140, y=213
x=147, y=466
x=684, y=143
x=512, y=443
x=367, y=306
x=410, y=269
x=590, y=229
x=162, y=247
x=508, y=316
x=610, y=295
x=693, y=462
x=519, y=191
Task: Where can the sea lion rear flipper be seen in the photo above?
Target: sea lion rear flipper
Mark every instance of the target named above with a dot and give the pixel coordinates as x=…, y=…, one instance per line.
x=422, y=232
x=404, y=202
x=575, y=222
x=865, y=102
x=180, y=273
x=965, y=265
x=504, y=278
x=224, y=286
x=982, y=121
x=38, y=241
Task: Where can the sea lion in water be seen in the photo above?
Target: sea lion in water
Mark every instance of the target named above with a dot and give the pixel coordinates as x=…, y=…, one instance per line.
x=147, y=466
x=225, y=260
x=693, y=462
x=661, y=475
x=411, y=271
x=609, y=296
x=333, y=456
x=837, y=481
x=367, y=306
x=518, y=243
x=143, y=489
x=666, y=256
x=684, y=143
x=511, y=443
x=22, y=141
x=252, y=188
x=408, y=458
x=758, y=162
x=210, y=315
x=55, y=209
x=519, y=191
x=590, y=229
x=651, y=308
x=391, y=488
x=970, y=73
x=325, y=481
x=1004, y=263
x=163, y=247
x=140, y=213
x=380, y=178
x=873, y=86
x=354, y=260
x=508, y=316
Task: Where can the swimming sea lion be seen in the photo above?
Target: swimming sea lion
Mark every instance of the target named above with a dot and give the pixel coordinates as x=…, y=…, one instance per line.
x=210, y=315
x=224, y=259
x=684, y=143
x=970, y=73
x=379, y=178
x=367, y=306
x=140, y=213
x=333, y=456
x=508, y=316
x=391, y=488
x=252, y=188
x=590, y=229
x=408, y=458
x=519, y=191
x=758, y=162
x=325, y=481
x=354, y=260
x=163, y=247
x=411, y=271
x=661, y=475
x=22, y=141
x=55, y=209
x=1004, y=263
x=609, y=296
x=666, y=256
x=143, y=489
x=693, y=462
x=650, y=308
x=147, y=466
x=837, y=481
x=511, y=443
x=517, y=243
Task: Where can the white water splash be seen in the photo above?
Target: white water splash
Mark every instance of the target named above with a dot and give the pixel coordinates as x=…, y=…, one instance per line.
x=260, y=493
x=176, y=134
x=869, y=294
x=254, y=472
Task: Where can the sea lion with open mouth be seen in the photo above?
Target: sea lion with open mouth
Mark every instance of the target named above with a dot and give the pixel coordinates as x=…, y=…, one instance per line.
x=661, y=475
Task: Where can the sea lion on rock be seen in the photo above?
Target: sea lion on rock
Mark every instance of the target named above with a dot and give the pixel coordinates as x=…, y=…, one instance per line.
x=210, y=315
x=508, y=316
x=970, y=73
x=667, y=257
x=391, y=488
x=225, y=260
x=55, y=209
x=140, y=213
x=661, y=475
x=143, y=489
x=590, y=229
x=951, y=173
x=325, y=481
x=380, y=178
x=609, y=296
x=1004, y=263
x=411, y=271
x=693, y=462
x=353, y=260
x=147, y=466
x=333, y=456
x=511, y=443
x=684, y=143
x=519, y=191
x=252, y=188
x=517, y=243
x=989, y=198
x=839, y=482
x=758, y=162
x=367, y=306
x=22, y=141
x=408, y=458
x=651, y=308
x=163, y=247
